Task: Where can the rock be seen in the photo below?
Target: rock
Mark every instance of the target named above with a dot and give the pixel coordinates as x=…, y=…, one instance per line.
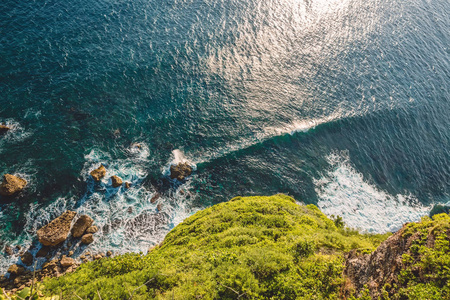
x=92, y=229
x=109, y=253
x=9, y=250
x=155, y=197
x=381, y=268
x=130, y=210
x=27, y=258
x=4, y=129
x=80, y=226
x=97, y=256
x=127, y=185
x=116, y=181
x=159, y=207
x=11, y=185
x=43, y=252
x=116, y=133
x=70, y=253
x=99, y=173
x=67, y=262
x=16, y=270
x=87, y=239
x=57, y=230
x=180, y=171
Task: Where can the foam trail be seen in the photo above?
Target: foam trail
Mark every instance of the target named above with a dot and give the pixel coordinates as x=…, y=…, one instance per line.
x=343, y=191
x=268, y=133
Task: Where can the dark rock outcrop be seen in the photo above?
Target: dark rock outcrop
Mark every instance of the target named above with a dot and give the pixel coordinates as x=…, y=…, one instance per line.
x=11, y=185
x=43, y=251
x=127, y=185
x=180, y=171
x=16, y=270
x=87, y=239
x=4, y=129
x=57, y=230
x=27, y=258
x=80, y=226
x=379, y=268
x=116, y=181
x=98, y=173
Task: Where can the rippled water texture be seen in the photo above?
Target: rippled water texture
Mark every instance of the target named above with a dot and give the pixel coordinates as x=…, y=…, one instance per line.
x=341, y=103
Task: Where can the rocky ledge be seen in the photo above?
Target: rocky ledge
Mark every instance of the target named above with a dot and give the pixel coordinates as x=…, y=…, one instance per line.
x=180, y=171
x=11, y=185
x=59, y=258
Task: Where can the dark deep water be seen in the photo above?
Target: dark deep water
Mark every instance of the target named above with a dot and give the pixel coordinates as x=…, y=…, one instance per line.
x=340, y=103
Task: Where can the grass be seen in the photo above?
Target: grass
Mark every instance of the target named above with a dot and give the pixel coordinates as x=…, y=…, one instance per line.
x=249, y=247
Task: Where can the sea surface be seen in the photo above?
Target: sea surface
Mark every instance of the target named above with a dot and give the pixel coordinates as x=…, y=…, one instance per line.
x=341, y=103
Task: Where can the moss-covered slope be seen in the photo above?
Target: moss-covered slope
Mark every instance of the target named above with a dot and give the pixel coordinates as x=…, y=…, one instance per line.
x=253, y=247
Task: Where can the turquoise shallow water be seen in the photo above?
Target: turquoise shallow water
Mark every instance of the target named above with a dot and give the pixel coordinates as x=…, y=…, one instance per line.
x=343, y=104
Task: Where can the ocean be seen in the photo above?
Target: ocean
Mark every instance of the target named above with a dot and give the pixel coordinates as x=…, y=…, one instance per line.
x=344, y=104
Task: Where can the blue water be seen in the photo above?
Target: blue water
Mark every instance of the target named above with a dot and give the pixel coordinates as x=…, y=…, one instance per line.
x=340, y=103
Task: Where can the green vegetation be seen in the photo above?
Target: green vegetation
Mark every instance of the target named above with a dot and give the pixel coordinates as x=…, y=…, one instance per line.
x=427, y=266
x=253, y=247
x=260, y=248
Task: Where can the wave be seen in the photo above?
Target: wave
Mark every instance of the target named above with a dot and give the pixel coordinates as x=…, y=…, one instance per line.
x=343, y=191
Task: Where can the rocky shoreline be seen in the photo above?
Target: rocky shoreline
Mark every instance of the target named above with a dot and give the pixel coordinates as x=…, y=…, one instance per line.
x=61, y=244
x=58, y=241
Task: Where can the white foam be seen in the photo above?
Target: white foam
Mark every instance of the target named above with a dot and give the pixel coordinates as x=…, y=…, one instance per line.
x=178, y=157
x=127, y=219
x=16, y=133
x=343, y=191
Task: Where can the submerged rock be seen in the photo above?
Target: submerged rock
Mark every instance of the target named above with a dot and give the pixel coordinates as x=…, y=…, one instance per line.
x=155, y=197
x=9, y=250
x=43, y=252
x=80, y=226
x=16, y=270
x=127, y=185
x=87, y=239
x=4, y=129
x=11, y=185
x=116, y=181
x=57, y=230
x=27, y=258
x=98, y=173
x=180, y=171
